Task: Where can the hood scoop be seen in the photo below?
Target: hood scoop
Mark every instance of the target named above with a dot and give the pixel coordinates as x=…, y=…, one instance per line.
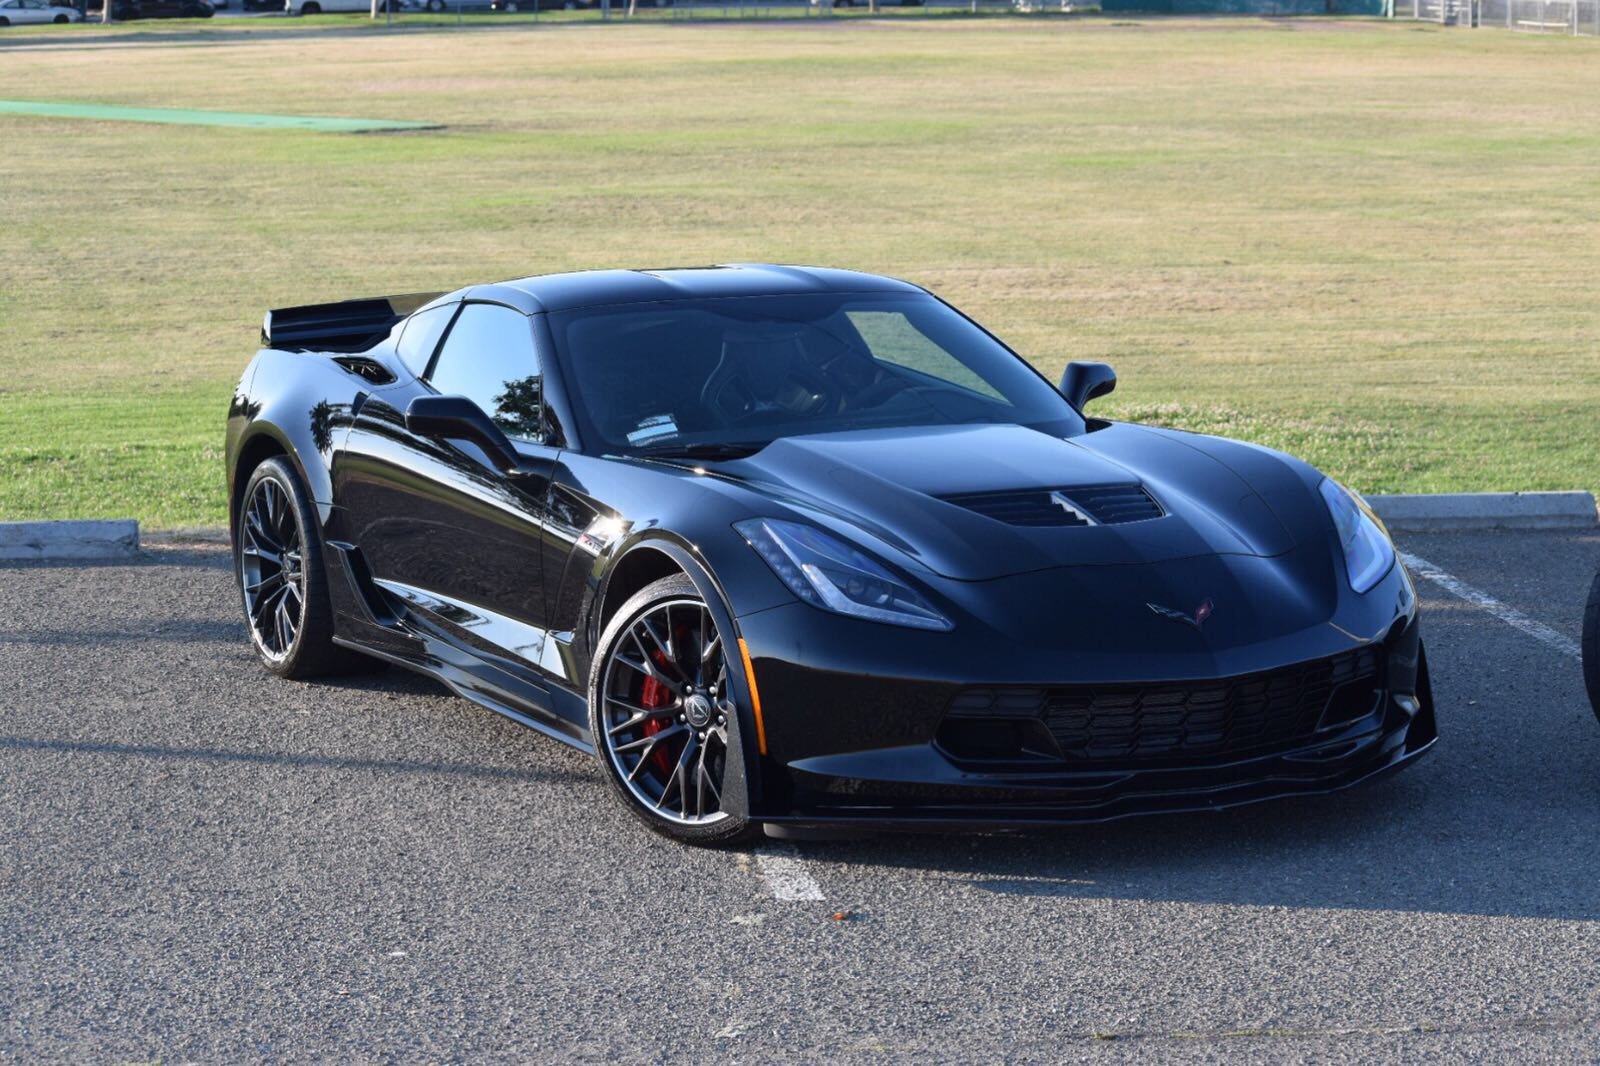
x=1079, y=505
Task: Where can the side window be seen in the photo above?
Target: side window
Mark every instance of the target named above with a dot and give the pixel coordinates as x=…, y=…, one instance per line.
x=489, y=358
x=421, y=337
x=894, y=339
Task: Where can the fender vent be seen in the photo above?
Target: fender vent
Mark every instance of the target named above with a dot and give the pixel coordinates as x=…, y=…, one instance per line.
x=367, y=369
x=1080, y=505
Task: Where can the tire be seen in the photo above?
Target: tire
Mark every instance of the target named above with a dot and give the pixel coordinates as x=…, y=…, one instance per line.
x=4, y=21
x=61, y=20
x=311, y=7
x=634, y=696
x=1591, y=646
x=290, y=621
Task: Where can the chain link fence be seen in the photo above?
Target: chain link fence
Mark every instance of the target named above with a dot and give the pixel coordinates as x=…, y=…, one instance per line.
x=1572, y=17
x=462, y=11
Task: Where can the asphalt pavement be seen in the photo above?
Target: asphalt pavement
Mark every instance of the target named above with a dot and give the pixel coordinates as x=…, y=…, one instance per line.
x=201, y=863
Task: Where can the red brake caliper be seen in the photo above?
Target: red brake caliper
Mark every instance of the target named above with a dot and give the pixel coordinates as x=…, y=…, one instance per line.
x=653, y=695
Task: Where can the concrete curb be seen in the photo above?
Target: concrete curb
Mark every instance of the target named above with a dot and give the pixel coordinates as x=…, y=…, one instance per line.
x=116, y=539
x=188, y=536
x=1443, y=512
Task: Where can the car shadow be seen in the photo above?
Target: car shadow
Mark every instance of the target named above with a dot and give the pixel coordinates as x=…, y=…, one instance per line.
x=205, y=556
x=1501, y=818
x=386, y=767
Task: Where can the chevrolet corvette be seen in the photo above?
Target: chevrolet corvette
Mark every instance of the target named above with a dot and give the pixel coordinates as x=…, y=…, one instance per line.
x=802, y=550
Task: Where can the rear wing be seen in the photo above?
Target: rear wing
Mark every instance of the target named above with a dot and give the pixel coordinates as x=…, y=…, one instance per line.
x=346, y=326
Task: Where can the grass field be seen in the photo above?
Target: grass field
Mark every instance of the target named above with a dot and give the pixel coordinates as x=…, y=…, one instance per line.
x=1377, y=246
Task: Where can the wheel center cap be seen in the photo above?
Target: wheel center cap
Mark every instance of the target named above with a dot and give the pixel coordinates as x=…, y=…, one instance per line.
x=697, y=709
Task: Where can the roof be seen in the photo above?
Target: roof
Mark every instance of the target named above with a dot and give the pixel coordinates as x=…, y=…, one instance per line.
x=593, y=288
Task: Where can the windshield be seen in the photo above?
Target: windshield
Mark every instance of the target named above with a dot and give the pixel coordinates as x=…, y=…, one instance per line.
x=717, y=378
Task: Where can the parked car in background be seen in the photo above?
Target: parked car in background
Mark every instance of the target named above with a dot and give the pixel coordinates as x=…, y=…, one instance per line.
x=318, y=7
x=866, y=3
x=513, y=6
x=128, y=10
x=27, y=12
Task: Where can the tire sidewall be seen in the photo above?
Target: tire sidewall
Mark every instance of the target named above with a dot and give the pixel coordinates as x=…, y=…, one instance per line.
x=730, y=830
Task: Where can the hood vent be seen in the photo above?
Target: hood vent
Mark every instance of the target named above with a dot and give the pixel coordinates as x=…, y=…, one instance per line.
x=1081, y=505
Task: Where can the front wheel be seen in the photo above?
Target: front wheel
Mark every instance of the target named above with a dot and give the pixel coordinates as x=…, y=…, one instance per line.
x=662, y=710
x=1591, y=646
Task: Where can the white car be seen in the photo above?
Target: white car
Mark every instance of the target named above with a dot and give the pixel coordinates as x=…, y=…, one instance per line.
x=20, y=12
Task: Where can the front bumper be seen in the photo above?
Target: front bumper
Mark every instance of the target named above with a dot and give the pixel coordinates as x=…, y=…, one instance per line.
x=851, y=748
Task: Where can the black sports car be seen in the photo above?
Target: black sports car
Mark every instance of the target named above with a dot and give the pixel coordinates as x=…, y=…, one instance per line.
x=803, y=548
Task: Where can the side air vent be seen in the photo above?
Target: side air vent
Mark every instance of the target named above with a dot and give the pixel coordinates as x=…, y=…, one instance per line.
x=367, y=369
x=1081, y=505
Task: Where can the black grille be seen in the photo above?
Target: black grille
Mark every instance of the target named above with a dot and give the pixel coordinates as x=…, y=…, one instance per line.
x=1109, y=724
x=1105, y=504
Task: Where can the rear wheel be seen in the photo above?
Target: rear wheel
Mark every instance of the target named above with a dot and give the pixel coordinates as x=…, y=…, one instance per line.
x=1591, y=646
x=662, y=711
x=284, y=587
x=61, y=20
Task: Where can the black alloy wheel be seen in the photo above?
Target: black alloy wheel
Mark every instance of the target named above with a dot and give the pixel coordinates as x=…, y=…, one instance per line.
x=662, y=710
x=278, y=563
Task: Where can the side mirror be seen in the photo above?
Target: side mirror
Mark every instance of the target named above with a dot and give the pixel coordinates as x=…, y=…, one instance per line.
x=458, y=418
x=1083, y=382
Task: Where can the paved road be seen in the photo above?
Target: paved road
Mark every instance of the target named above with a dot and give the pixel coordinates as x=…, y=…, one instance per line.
x=201, y=864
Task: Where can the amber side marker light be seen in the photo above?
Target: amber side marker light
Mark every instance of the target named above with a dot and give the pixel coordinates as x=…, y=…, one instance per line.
x=755, y=696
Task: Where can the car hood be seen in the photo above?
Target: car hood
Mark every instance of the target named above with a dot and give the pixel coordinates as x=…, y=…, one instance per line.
x=896, y=486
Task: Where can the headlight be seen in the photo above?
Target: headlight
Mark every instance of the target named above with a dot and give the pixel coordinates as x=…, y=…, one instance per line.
x=1368, y=553
x=827, y=573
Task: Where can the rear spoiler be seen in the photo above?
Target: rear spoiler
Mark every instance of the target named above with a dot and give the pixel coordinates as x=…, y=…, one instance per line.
x=346, y=326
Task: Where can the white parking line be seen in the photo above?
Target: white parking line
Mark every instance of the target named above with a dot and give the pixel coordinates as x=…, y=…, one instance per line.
x=786, y=874
x=1507, y=614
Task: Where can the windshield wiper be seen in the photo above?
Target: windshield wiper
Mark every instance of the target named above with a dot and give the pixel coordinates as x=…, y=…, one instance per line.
x=699, y=450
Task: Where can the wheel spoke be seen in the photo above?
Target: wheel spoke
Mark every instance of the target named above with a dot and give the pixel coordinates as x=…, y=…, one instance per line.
x=703, y=780
x=637, y=714
x=648, y=743
x=256, y=525
x=649, y=669
x=662, y=646
x=682, y=774
x=266, y=605
x=280, y=618
x=266, y=584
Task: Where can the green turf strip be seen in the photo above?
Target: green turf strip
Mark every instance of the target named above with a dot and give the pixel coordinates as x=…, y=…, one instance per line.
x=185, y=117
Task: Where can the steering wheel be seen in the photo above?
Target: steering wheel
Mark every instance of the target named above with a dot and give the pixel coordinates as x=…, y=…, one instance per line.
x=732, y=399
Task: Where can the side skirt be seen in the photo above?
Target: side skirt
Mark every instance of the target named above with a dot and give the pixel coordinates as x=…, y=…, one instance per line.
x=469, y=686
